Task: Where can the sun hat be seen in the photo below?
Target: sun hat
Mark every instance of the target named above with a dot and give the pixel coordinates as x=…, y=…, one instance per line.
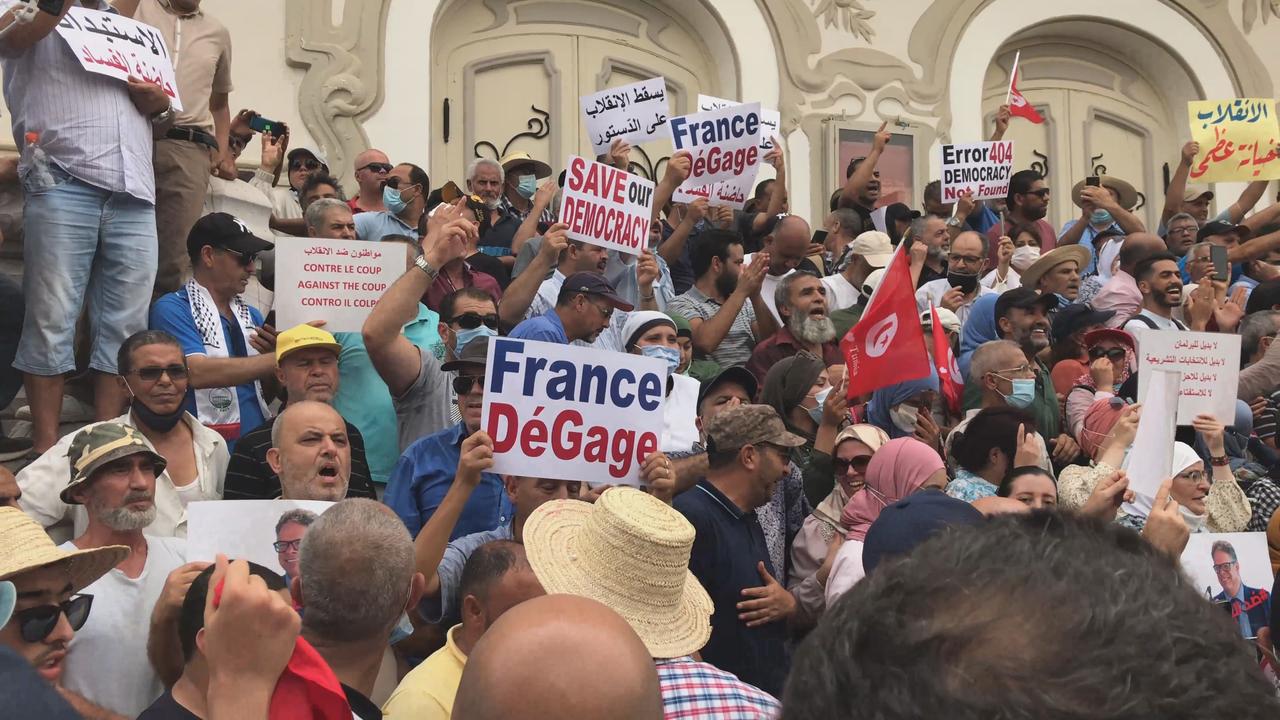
x=1052, y=259
x=873, y=246
x=25, y=546
x=516, y=159
x=98, y=445
x=8, y=598
x=1128, y=195
x=630, y=552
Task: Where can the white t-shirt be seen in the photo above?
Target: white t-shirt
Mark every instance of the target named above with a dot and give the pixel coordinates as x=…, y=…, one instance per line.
x=107, y=659
x=680, y=415
x=846, y=570
x=1137, y=326
x=841, y=293
x=768, y=287
x=935, y=289
x=1011, y=280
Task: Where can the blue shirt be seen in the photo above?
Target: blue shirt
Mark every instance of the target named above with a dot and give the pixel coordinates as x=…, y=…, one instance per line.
x=423, y=476
x=172, y=313
x=969, y=487
x=1086, y=241
x=982, y=219
x=726, y=549
x=445, y=609
x=376, y=225
x=545, y=327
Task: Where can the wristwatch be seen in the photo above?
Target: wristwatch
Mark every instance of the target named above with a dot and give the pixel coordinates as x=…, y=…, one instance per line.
x=163, y=117
x=424, y=266
x=954, y=221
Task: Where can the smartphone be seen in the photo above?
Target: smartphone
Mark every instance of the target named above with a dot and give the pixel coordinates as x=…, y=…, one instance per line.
x=1218, y=254
x=1093, y=181
x=257, y=123
x=819, y=237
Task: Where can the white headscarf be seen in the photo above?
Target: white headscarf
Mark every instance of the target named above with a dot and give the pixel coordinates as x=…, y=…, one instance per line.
x=1184, y=456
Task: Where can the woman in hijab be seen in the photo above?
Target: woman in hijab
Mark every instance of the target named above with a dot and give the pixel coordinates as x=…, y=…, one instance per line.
x=653, y=334
x=980, y=327
x=1112, y=358
x=901, y=467
x=797, y=387
x=848, y=463
x=896, y=410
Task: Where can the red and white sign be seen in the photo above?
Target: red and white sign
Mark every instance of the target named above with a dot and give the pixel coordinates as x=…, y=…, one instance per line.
x=338, y=281
x=606, y=206
x=723, y=143
x=117, y=46
x=732, y=193
x=886, y=346
x=981, y=168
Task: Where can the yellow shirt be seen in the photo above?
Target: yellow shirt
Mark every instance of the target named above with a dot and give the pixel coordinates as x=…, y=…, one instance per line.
x=427, y=692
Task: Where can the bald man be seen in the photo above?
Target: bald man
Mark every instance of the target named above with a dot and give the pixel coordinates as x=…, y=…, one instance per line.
x=530, y=664
x=310, y=452
x=371, y=168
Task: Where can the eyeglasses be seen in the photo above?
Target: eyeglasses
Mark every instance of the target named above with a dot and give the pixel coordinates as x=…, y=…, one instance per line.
x=471, y=321
x=463, y=384
x=1194, y=476
x=1223, y=566
x=1186, y=230
x=859, y=464
x=967, y=259
x=304, y=165
x=606, y=311
x=244, y=259
x=1111, y=353
x=36, y=623
x=1042, y=193
x=282, y=545
x=1022, y=369
x=152, y=374
x=377, y=167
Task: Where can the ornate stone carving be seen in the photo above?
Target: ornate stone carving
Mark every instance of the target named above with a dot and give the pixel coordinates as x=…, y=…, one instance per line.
x=847, y=14
x=1252, y=10
x=343, y=83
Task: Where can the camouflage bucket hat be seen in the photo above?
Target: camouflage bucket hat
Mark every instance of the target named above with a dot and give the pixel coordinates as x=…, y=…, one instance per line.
x=97, y=445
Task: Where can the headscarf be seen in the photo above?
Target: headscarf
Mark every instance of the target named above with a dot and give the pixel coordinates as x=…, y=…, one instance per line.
x=1098, y=420
x=788, y=382
x=898, y=469
x=1130, y=363
x=873, y=437
x=979, y=328
x=1273, y=541
x=1184, y=456
x=887, y=397
x=640, y=322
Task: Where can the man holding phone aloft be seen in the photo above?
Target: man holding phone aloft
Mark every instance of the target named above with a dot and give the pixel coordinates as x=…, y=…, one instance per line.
x=1104, y=203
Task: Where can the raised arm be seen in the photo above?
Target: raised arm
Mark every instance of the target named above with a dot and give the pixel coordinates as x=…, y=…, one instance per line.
x=1252, y=194
x=519, y=294
x=677, y=171
x=779, y=195
x=672, y=249
x=1178, y=183
x=24, y=36
x=429, y=547
x=1002, y=123
x=857, y=182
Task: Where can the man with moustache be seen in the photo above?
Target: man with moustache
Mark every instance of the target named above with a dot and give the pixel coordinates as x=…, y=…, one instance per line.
x=1160, y=283
x=726, y=310
x=802, y=301
x=114, y=476
x=1022, y=317
x=961, y=287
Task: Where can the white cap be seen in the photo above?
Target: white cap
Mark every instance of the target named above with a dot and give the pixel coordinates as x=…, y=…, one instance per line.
x=873, y=281
x=873, y=246
x=313, y=152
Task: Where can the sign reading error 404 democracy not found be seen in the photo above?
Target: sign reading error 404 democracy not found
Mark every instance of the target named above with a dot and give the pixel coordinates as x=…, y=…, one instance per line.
x=980, y=168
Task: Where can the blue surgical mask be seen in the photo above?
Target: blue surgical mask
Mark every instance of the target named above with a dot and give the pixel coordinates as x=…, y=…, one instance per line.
x=1024, y=393
x=662, y=352
x=1101, y=217
x=528, y=185
x=391, y=198
x=466, y=336
x=815, y=412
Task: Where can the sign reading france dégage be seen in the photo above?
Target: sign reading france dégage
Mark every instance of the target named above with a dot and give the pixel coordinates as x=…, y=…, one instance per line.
x=571, y=413
x=723, y=143
x=606, y=206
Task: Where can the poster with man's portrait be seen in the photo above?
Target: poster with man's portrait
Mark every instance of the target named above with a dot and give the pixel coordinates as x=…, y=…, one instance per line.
x=1233, y=570
x=268, y=532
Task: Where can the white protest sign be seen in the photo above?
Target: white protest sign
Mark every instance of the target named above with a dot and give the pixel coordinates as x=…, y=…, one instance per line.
x=571, y=413
x=1246, y=573
x=117, y=46
x=246, y=530
x=723, y=143
x=338, y=281
x=606, y=206
x=980, y=168
x=1150, y=459
x=769, y=119
x=731, y=193
x=636, y=113
x=1210, y=367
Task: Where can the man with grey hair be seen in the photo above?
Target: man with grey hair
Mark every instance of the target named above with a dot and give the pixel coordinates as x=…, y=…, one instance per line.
x=357, y=580
x=961, y=287
x=485, y=178
x=114, y=477
x=330, y=218
x=290, y=528
x=932, y=231
x=1180, y=232
x=801, y=299
x=995, y=368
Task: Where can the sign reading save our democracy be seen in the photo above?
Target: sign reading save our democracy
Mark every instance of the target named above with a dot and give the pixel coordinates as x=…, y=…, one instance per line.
x=571, y=413
x=606, y=206
x=118, y=47
x=980, y=168
x=722, y=143
x=338, y=281
x=1238, y=140
x=635, y=113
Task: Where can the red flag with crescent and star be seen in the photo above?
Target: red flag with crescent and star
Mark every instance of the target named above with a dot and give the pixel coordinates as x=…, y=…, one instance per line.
x=886, y=345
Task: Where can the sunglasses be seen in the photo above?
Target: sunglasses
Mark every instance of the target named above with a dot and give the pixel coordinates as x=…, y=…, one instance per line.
x=152, y=374
x=464, y=383
x=378, y=167
x=471, y=321
x=244, y=259
x=1111, y=353
x=1042, y=193
x=282, y=545
x=392, y=182
x=36, y=623
x=304, y=165
x=859, y=463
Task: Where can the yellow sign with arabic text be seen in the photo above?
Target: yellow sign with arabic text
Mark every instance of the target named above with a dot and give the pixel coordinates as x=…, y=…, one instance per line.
x=1238, y=140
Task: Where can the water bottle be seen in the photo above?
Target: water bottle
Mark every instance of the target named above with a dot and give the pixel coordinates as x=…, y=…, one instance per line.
x=40, y=177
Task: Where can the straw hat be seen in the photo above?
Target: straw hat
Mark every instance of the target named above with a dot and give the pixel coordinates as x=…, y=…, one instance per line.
x=1128, y=195
x=1053, y=259
x=25, y=546
x=629, y=551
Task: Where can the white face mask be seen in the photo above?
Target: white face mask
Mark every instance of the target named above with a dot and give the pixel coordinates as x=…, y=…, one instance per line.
x=904, y=416
x=1023, y=257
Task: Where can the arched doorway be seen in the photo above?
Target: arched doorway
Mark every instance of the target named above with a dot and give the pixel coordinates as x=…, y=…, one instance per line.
x=540, y=56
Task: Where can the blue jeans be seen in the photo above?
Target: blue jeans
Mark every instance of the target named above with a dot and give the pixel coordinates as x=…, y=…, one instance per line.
x=83, y=243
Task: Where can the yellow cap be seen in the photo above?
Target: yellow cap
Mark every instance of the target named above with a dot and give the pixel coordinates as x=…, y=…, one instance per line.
x=304, y=336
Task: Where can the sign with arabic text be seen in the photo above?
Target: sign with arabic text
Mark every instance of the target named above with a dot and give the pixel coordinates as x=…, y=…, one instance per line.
x=338, y=281
x=118, y=47
x=769, y=119
x=730, y=193
x=1210, y=367
x=606, y=206
x=1237, y=140
x=981, y=168
x=636, y=113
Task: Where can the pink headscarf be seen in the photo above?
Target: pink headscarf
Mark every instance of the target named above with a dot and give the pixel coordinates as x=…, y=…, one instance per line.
x=1096, y=426
x=897, y=470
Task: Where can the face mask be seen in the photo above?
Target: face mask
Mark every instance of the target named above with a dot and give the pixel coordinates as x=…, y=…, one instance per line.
x=391, y=198
x=904, y=417
x=152, y=419
x=662, y=352
x=964, y=281
x=1024, y=393
x=528, y=185
x=466, y=336
x=1023, y=257
x=815, y=412
x=1101, y=217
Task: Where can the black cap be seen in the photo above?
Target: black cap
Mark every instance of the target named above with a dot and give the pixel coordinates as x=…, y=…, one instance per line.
x=1076, y=316
x=1025, y=299
x=594, y=284
x=1219, y=227
x=475, y=352
x=223, y=230
x=734, y=374
x=899, y=211
x=1264, y=297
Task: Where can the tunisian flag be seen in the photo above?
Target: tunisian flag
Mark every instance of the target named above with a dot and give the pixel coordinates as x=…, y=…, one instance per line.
x=1018, y=104
x=886, y=345
x=949, y=378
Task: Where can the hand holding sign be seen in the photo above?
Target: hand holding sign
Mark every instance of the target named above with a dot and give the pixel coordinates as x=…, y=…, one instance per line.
x=1108, y=495
x=476, y=458
x=1165, y=529
x=148, y=97
x=620, y=154
x=646, y=272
